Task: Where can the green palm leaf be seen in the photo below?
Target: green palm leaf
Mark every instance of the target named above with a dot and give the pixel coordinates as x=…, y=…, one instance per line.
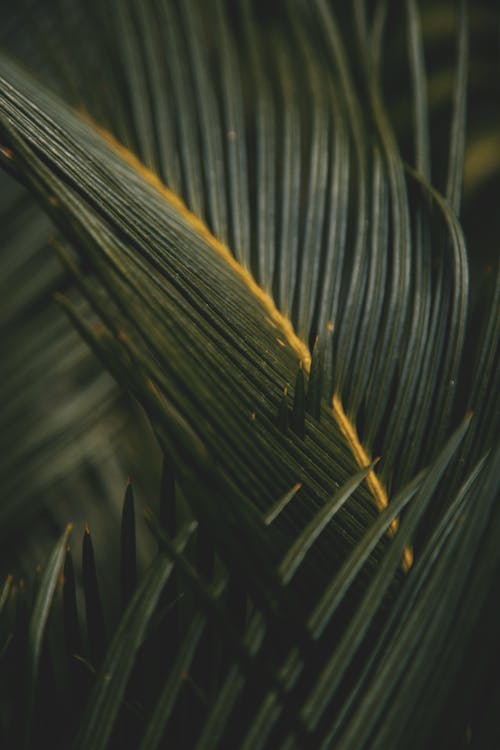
x=248, y=250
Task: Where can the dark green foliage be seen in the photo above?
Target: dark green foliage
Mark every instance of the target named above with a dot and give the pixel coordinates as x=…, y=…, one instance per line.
x=168, y=515
x=71, y=623
x=96, y=629
x=315, y=385
x=207, y=189
x=128, y=567
x=283, y=413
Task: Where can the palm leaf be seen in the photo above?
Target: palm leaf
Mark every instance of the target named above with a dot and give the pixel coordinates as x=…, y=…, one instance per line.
x=58, y=447
x=231, y=196
x=38, y=623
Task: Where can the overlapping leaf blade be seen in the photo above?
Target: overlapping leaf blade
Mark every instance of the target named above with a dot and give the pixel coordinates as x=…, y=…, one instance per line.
x=329, y=224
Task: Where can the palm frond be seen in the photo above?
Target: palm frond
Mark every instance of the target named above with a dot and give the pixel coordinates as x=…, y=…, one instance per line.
x=250, y=252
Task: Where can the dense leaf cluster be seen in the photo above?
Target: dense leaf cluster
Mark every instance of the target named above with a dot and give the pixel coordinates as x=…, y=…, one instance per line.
x=234, y=217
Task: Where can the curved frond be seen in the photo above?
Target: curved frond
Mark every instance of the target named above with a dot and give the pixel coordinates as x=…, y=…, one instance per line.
x=271, y=261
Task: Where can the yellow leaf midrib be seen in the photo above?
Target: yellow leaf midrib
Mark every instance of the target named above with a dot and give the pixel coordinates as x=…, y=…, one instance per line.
x=283, y=323
x=199, y=226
